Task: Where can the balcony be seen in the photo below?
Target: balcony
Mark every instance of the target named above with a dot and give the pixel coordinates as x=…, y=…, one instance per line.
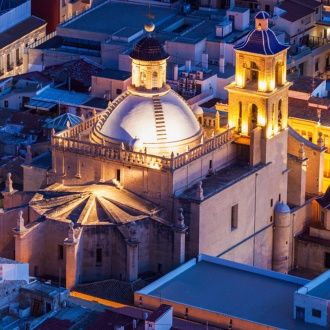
x=10, y=66
x=19, y=61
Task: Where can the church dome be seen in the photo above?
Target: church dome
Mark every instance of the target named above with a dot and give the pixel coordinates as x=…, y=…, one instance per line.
x=281, y=208
x=197, y=110
x=149, y=49
x=164, y=123
x=261, y=40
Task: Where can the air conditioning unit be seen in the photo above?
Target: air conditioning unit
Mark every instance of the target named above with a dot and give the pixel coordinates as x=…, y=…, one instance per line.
x=184, y=74
x=192, y=76
x=199, y=75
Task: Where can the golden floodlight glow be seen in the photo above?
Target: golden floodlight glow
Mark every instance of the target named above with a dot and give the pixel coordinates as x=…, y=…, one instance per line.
x=245, y=128
x=261, y=120
x=262, y=85
x=239, y=81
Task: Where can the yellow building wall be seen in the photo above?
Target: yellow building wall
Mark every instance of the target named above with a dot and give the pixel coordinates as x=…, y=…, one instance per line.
x=310, y=130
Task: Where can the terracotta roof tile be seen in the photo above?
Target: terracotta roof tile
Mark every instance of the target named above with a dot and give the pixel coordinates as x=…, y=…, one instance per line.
x=294, y=12
x=300, y=109
x=32, y=124
x=305, y=84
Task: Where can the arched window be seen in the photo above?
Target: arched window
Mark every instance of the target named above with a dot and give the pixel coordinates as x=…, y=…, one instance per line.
x=273, y=117
x=254, y=116
x=278, y=73
x=254, y=75
x=154, y=79
x=279, y=115
x=239, y=124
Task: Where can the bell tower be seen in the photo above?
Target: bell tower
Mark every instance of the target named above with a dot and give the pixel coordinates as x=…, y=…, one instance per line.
x=258, y=99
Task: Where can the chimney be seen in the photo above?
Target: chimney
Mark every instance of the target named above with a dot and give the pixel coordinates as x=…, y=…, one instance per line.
x=222, y=64
x=176, y=72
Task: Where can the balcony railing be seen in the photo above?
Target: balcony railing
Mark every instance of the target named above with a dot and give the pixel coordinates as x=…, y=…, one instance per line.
x=67, y=141
x=10, y=66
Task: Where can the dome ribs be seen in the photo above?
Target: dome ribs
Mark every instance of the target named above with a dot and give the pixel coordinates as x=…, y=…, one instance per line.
x=159, y=118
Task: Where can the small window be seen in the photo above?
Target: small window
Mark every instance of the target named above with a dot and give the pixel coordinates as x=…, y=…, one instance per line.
x=99, y=256
x=316, y=66
x=316, y=313
x=327, y=260
x=271, y=219
x=279, y=197
x=118, y=91
x=234, y=217
x=6, y=104
x=210, y=164
x=271, y=202
x=60, y=252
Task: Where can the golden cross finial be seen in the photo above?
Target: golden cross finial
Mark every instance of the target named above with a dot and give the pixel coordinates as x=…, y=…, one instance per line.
x=150, y=16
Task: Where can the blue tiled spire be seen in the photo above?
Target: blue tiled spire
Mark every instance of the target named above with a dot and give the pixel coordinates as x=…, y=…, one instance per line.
x=261, y=40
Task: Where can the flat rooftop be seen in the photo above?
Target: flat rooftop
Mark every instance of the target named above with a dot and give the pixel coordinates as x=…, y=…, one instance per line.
x=111, y=17
x=234, y=289
x=321, y=291
x=221, y=180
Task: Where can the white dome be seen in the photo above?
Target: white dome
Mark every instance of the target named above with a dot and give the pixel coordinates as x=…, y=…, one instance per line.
x=135, y=116
x=197, y=110
x=136, y=144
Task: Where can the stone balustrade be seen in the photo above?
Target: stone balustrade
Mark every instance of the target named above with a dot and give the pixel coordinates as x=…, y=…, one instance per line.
x=64, y=141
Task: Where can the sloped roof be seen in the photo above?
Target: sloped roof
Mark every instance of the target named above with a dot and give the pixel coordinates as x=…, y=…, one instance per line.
x=149, y=49
x=60, y=122
x=305, y=84
x=293, y=11
x=114, y=290
x=20, y=30
x=31, y=123
x=261, y=42
x=103, y=204
x=324, y=201
x=300, y=109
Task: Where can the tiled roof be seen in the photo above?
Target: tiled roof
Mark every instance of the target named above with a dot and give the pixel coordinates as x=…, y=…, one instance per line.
x=149, y=49
x=62, y=96
x=262, y=15
x=323, y=102
x=114, y=74
x=300, y=109
x=20, y=30
x=261, y=42
x=293, y=11
x=79, y=71
x=54, y=323
x=324, y=201
x=60, y=122
x=114, y=290
x=125, y=315
x=4, y=115
x=305, y=84
x=32, y=123
x=309, y=3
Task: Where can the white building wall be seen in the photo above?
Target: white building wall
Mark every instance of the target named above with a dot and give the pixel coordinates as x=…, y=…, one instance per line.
x=14, y=272
x=15, y=16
